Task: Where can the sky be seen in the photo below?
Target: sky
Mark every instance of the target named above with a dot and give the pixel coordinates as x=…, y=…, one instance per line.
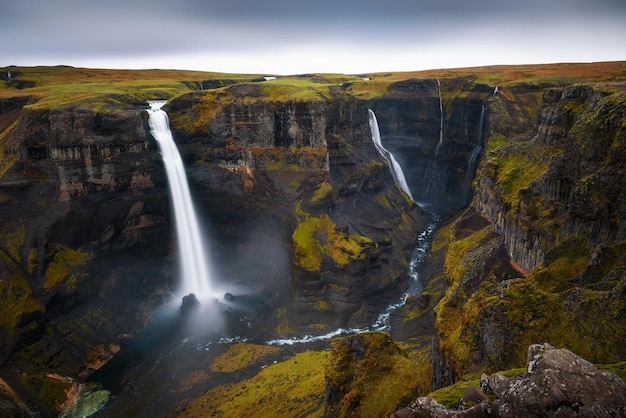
x=309, y=36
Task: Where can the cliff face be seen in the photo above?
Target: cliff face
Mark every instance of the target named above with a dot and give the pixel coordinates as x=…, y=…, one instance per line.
x=80, y=204
x=435, y=128
x=309, y=169
x=552, y=198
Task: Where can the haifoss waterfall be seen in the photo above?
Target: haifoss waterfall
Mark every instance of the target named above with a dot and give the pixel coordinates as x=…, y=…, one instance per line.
x=195, y=272
x=396, y=170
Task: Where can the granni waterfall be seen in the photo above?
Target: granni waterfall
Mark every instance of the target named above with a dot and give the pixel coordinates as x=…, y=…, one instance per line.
x=477, y=148
x=432, y=174
x=396, y=170
x=196, y=275
x=440, y=120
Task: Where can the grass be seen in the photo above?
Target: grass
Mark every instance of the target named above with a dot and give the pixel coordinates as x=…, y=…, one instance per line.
x=239, y=356
x=104, y=89
x=292, y=388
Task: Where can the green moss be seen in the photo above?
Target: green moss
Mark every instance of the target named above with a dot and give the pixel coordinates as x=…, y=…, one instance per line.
x=516, y=172
x=318, y=236
x=16, y=295
x=567, y=259
x=370, y=89
x=13, y=236
x=240, y=356
x=294, y=89
x=449, y=396
x=371, y=374
x=294, y=387
x=49, y=392
x=322, y=305
x=281, y=316
x=442, y=237
x=456, y=265
x=322, y=192
x=616, y=368
x=105, y=90
x=64, y=269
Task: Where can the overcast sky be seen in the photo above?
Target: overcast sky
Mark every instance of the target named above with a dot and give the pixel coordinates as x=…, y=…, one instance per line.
x=298, y=36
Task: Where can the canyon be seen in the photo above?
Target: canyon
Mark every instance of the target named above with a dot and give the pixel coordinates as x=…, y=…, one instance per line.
x=522, y=166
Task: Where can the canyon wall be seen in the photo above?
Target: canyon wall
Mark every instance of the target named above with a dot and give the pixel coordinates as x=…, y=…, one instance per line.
x=304, y=219
x=549, y=213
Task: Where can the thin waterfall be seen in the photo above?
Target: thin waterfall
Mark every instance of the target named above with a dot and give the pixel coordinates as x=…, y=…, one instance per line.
x=440, y=119
x=432, y=174
x=477, y=148
x=396, y=170
x=196, y=275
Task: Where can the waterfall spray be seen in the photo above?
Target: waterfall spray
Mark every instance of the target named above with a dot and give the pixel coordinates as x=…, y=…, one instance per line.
x=196, y=275
x=396, y=170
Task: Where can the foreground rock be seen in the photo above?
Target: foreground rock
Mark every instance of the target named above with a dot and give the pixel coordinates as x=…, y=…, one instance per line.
x=557, y=383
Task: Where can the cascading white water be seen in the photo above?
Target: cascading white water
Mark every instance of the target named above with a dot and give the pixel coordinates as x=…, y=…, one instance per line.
x=396, y=170
x=196, y=275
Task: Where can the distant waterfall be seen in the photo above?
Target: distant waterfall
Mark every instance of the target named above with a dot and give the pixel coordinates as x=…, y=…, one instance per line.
x=440, y=119
x=196, y=276
x=432, y=174
x=477, y=148
x=396, y=170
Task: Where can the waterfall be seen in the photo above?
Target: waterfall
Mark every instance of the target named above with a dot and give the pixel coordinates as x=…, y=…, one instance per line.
x=440, y=120
x=477, y=148
x=8, y=75
x=396, y=170
x=196, y=276
x=432, y=173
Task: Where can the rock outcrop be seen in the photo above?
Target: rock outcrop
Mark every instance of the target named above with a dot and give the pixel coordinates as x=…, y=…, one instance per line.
x=557, y=383
x=368, y=375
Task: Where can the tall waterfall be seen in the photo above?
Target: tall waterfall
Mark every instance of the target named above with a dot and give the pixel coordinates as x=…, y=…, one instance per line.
x=432, y=174
x=440, y=119
x=396, y=170
x=196, y=276
x=477, y=148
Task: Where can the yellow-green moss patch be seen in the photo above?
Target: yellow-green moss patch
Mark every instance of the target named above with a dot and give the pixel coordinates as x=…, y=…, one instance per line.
x=241, y=355
x=293, y=388
x=65, y=267
x=318, y=236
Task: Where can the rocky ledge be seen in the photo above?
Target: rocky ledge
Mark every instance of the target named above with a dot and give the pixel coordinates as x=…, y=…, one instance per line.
x=557, y=383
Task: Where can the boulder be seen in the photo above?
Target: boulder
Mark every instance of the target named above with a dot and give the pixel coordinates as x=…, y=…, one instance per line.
x=190, y=303
x=557, y=383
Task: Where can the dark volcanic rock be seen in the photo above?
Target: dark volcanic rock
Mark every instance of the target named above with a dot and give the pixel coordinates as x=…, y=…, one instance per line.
x=557, y=383
x=190, y=303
